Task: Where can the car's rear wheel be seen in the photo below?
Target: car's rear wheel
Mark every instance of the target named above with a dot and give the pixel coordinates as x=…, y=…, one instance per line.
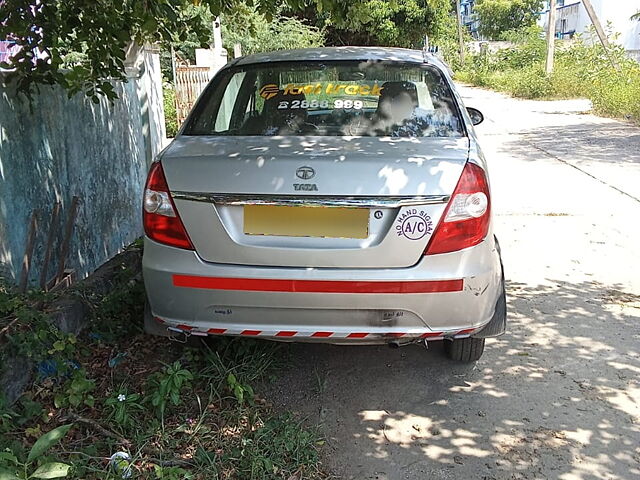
x=464, y=349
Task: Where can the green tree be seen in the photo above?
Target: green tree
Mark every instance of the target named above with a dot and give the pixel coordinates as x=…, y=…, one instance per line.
x=82, y=44
x=255, y=33
x=497, y=17
x=184, y=46
x=397, y=23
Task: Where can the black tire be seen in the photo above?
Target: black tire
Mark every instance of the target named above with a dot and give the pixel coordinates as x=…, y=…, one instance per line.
x=464, y=349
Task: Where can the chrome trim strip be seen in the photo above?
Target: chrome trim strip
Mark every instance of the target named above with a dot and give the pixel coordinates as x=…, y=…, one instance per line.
x=312, y=200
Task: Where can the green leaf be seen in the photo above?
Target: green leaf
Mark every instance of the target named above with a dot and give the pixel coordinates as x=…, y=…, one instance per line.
x=8, y=457
x=150, y=25
x=46, y=441
x=249, y=390
x=239, y=393
x=51, y=470
x=7, y=475
x=59, y=400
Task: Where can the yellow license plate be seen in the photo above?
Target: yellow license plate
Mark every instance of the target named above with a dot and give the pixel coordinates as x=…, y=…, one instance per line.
x=302, y=221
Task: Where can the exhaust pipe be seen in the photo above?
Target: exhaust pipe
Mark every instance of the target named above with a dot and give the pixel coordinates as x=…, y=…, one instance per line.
x=177, y=335
x=397, y=343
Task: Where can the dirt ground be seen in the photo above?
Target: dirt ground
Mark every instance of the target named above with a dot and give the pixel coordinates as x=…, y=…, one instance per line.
x=558, y=396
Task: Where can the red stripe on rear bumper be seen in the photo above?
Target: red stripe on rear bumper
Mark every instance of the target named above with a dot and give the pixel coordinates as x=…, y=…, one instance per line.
x=466, y=331
x=357, y=335
x=285, y=334
x=432, y=334
x=316, y=286
x=217, y=331
x=322, y=334
x=251, y=332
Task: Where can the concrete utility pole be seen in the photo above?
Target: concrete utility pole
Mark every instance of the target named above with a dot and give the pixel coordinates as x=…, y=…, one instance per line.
x=596, y=23
x=599, y=30
x=551, y=37
x=460, y=37
x=173, y=64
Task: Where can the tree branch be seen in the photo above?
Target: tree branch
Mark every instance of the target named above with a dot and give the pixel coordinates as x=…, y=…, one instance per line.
x=96, y=426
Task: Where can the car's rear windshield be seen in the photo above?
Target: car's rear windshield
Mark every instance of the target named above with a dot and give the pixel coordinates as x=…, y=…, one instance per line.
x=346, y=98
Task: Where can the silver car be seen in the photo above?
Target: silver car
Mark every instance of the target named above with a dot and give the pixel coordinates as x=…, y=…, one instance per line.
x=326, y=195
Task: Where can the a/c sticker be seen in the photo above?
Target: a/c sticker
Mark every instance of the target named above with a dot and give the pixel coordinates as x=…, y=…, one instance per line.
x=414, y=224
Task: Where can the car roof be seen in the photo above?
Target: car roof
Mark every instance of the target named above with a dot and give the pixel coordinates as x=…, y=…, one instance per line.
x=341, y=53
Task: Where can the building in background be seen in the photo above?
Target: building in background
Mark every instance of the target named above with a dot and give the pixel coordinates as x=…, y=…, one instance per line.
x=615, y=16
x=470, y=18
x=572, y=19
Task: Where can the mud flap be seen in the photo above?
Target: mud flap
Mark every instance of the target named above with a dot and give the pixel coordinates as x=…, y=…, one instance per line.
x=498, y=323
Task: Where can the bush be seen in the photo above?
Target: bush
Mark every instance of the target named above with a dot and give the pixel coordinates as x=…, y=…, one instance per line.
x=170, y=116
x=530, y=82
x=618, y=94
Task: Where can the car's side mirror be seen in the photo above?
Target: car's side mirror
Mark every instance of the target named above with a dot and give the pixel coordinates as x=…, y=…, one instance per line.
x=476, y=115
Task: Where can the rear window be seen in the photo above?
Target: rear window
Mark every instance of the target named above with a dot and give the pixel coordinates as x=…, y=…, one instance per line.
x=328, y=99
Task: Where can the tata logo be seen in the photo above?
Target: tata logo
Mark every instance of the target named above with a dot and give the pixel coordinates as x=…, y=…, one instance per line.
x=305, y=173
x=269, y=90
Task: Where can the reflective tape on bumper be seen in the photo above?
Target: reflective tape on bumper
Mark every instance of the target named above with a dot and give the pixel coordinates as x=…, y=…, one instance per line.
x=413, y=333
x=316, y=286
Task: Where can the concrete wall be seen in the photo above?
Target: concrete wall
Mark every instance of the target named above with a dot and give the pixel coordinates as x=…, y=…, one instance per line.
x=491, y=46
x=56, y=148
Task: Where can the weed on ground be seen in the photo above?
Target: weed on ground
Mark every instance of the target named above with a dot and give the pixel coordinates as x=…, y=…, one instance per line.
x=117, y=403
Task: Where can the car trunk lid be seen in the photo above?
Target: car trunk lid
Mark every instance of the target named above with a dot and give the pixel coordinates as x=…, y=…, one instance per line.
x=337, y=202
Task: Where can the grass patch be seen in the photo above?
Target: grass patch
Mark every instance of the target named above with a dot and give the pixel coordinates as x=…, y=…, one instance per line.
x=175, y=412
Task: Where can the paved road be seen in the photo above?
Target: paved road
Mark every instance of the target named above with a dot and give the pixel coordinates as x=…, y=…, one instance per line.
x=559, y=395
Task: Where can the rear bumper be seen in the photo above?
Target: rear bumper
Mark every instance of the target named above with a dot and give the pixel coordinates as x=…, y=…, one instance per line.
x=444, y=296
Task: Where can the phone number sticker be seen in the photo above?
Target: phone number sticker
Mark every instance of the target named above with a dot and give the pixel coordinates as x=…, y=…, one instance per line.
x=304, y=104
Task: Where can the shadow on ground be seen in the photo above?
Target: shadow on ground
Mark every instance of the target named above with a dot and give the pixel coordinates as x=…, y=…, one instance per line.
x=557, y=397
x=596, y=142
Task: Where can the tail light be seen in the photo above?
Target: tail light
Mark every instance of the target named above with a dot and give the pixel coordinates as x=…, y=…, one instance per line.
x=159, y=215
x=465, y=221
